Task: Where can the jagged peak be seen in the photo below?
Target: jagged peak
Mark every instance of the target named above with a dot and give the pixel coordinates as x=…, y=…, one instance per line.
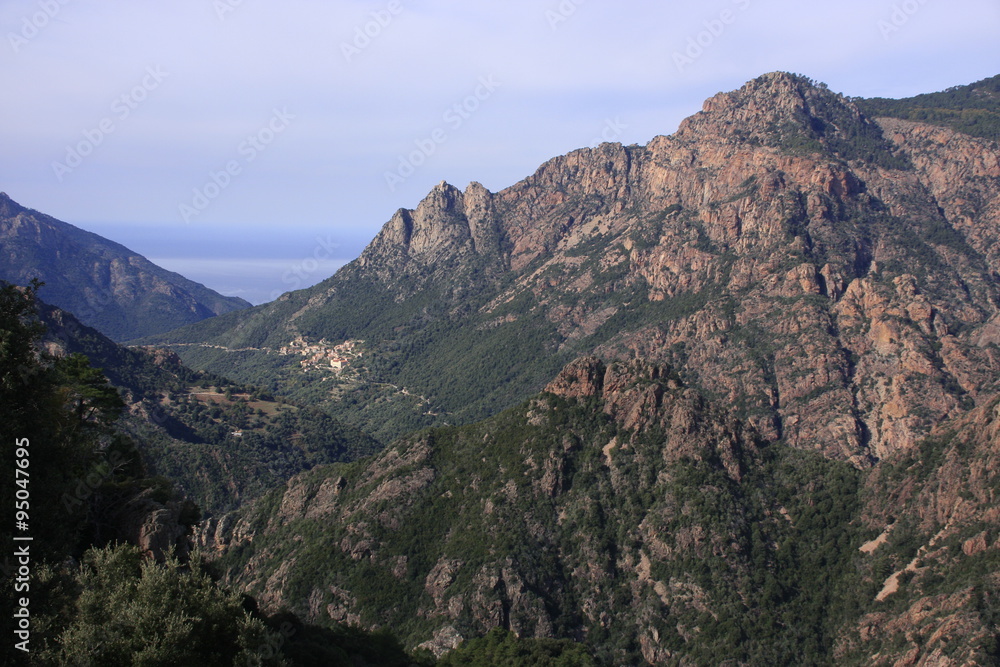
x=438, y=225
x=475, y=187
x=442, y=198
x=769, y=97
x=794, y=113
x=8, y=206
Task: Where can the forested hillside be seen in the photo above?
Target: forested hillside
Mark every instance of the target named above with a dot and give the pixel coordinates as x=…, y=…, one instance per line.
x=622, y=509
x=107, y=577
x=971, y=109
x=219, y=442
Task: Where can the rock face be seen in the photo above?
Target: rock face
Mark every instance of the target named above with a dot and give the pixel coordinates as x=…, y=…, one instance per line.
x=832, y=275
x=106, y=285
x=621, y=509
x=942, y=549
x=496, y=525
x=156, y=528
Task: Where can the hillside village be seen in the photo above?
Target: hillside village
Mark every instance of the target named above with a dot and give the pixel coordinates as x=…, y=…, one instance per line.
x=324, y=355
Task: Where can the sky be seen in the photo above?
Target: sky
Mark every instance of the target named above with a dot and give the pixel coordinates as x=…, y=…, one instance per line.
x=256, y=146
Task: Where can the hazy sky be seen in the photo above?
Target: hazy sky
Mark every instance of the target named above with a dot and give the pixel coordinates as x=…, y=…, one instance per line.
x=240, y=141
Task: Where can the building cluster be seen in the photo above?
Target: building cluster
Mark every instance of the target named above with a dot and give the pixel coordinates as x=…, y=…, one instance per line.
x=324, y=354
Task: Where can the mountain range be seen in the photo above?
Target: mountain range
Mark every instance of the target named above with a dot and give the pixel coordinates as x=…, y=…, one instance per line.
x=831, y=275
x=728, y=397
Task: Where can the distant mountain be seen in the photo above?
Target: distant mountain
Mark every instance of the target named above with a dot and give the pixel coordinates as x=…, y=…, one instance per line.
x=103, y=283
x=831, y=275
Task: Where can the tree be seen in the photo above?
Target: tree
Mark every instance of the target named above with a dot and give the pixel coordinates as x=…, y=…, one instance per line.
x=90, y=398
x=20, y=367
x=136, y=612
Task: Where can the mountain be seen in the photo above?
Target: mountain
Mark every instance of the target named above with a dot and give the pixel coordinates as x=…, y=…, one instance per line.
x=726, y=398
x=740, y=397
x=621, y=509
x=106, y=285
x=831, y=275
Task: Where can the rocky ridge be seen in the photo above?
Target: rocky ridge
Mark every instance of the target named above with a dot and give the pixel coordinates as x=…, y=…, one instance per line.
x=377, y=512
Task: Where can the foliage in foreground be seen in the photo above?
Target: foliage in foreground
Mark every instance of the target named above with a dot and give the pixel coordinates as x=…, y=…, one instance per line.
x=97, y=603
x=132, y=610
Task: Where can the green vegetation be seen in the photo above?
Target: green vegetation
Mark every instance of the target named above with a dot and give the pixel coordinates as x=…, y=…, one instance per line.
x=827, y=124
x=720, y=547
x=135, y=611
x=118, y=608
x=500, y=648
x=535, y=519
x=188, y=419
x=973, y=109
x=115, y=607
x=58, y=412
x=255, y=444
x=780, y=580
x=432, y=343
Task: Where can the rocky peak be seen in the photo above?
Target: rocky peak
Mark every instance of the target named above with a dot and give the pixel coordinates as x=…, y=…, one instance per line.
x=8, y=207
x=442, y=198
x=436, y=220
x=756, y=251
x=438, y=223
x=775, y=94
x=790, y=112
x=445, y=230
